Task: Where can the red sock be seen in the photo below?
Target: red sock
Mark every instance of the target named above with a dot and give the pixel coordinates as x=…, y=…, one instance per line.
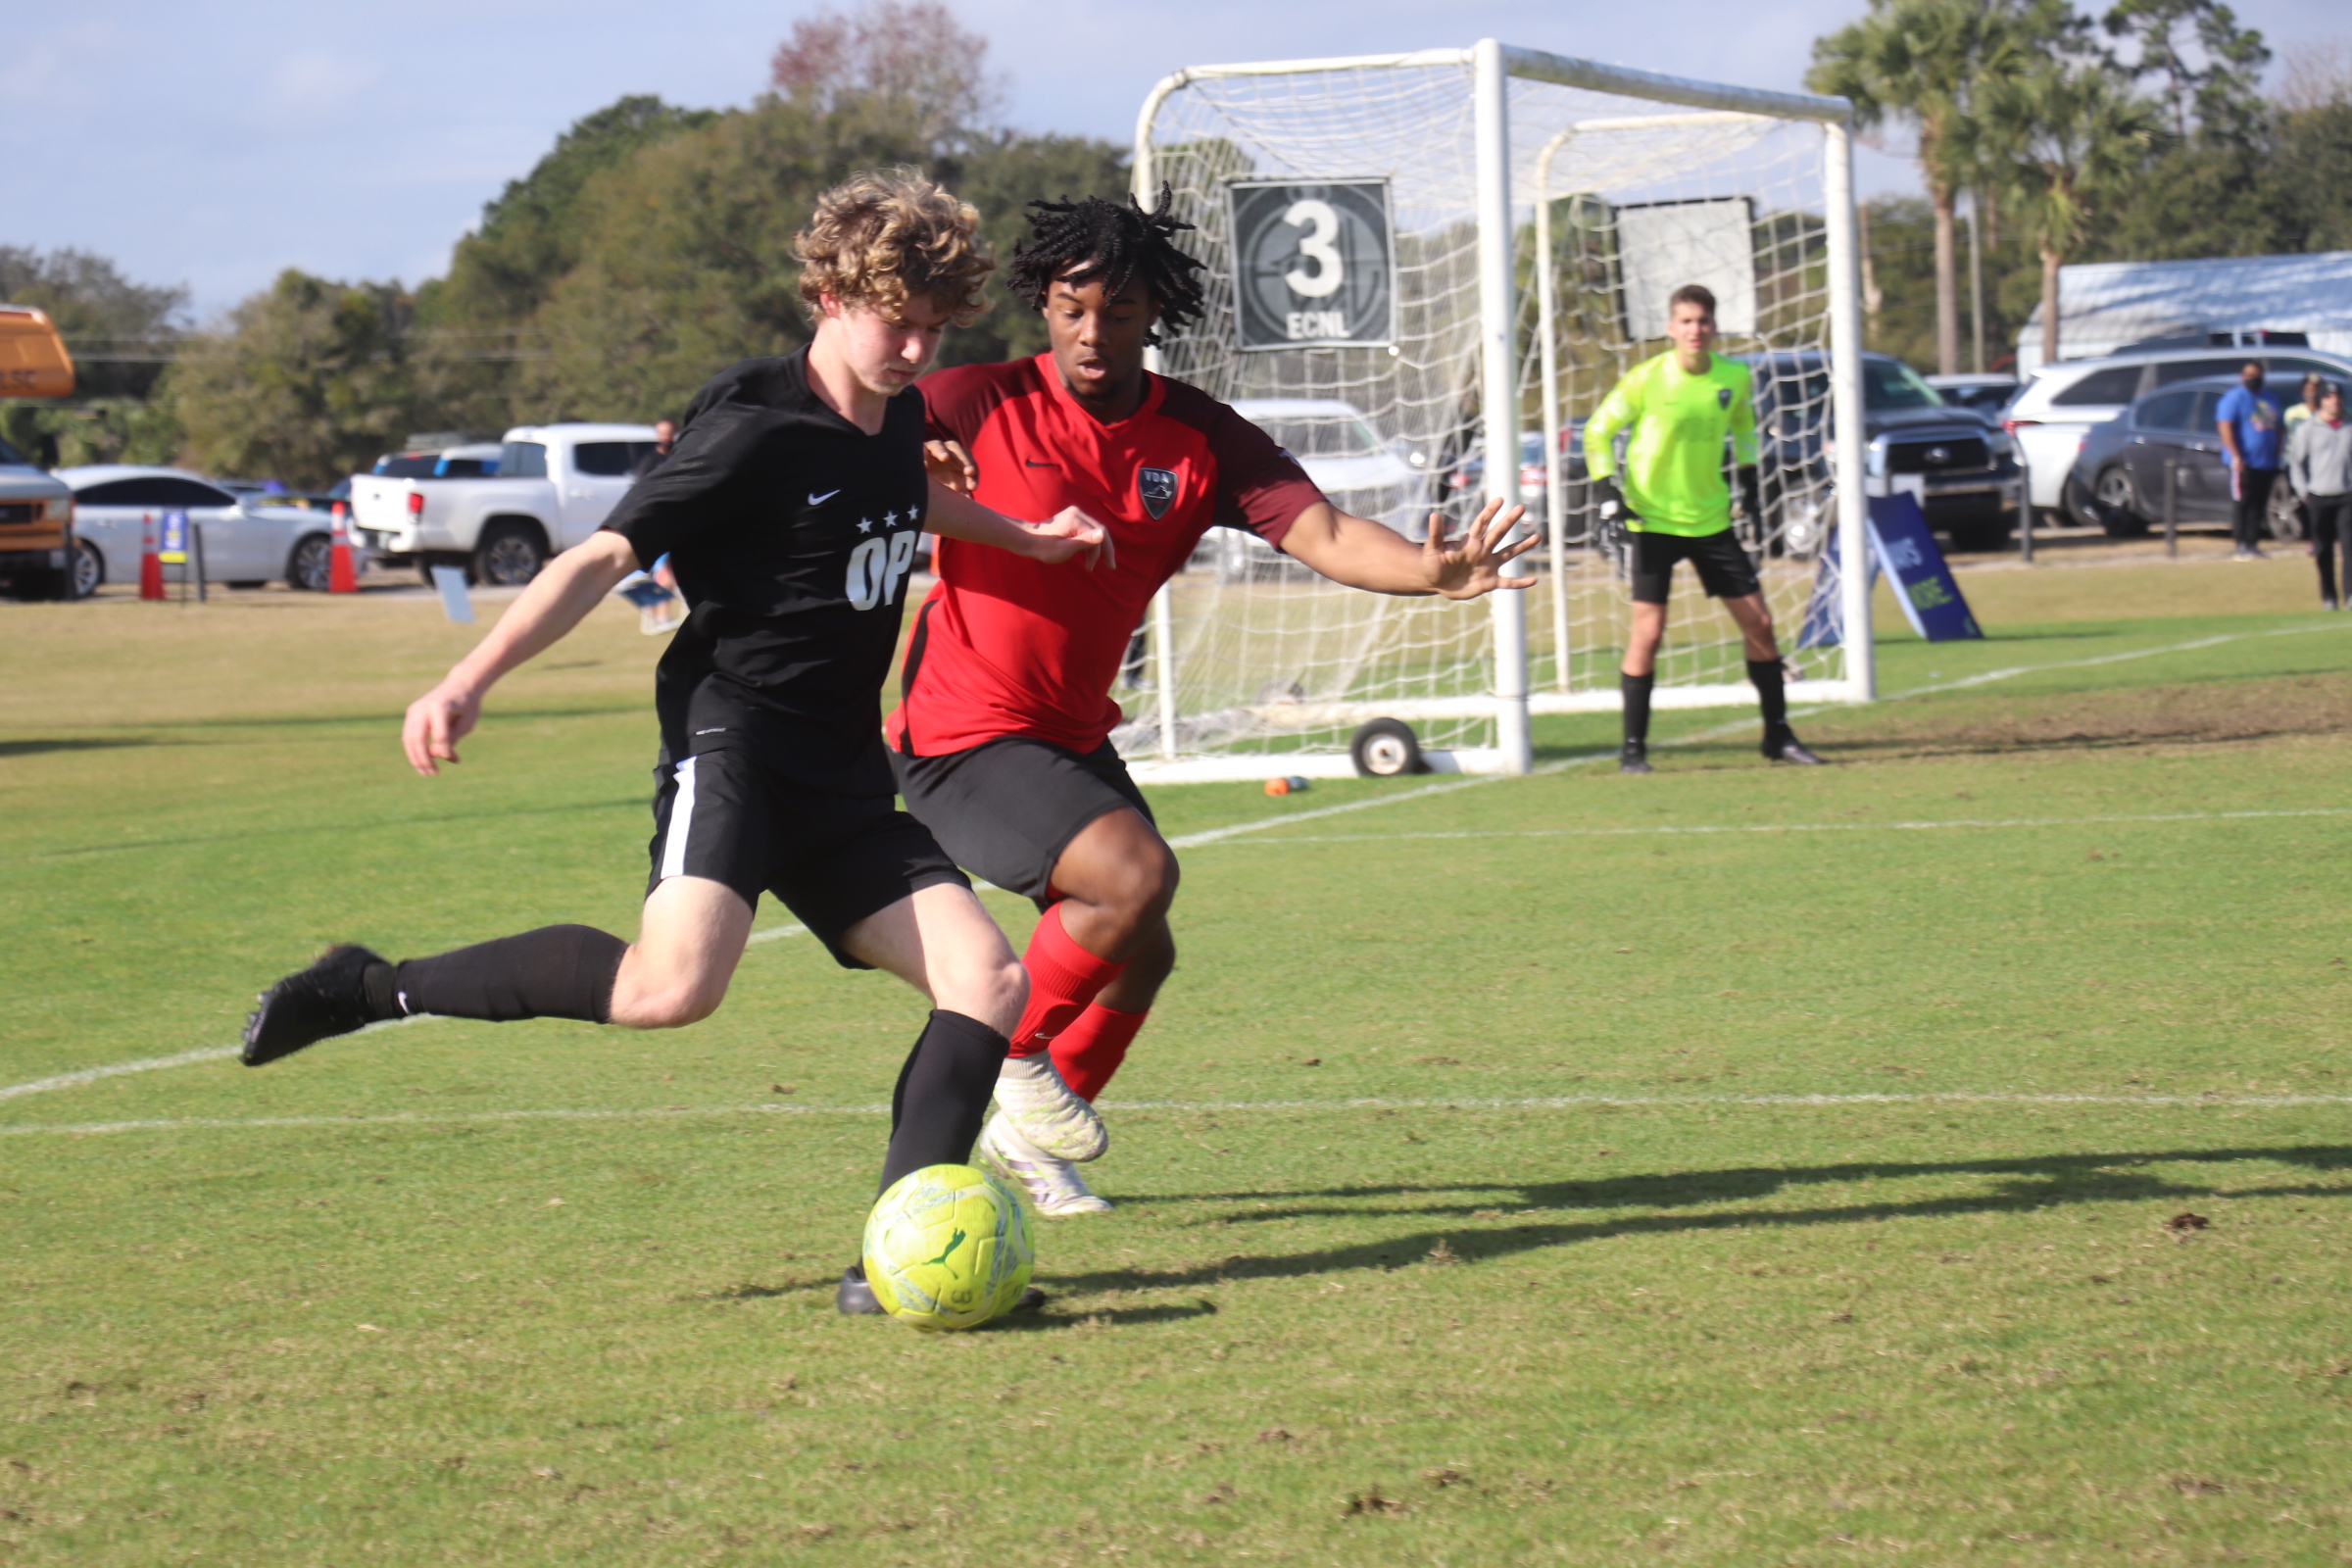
x=1089, y=1051
x=1064, y=977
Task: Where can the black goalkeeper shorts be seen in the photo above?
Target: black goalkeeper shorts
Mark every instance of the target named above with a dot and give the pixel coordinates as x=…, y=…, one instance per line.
x=1008, y=808
x=1723, y=569
x=833, y=859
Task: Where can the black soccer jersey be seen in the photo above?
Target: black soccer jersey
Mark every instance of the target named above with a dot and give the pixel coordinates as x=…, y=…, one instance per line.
x=792, y=533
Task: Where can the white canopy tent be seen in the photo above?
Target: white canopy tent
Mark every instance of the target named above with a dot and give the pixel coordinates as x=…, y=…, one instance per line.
x=2106, y=306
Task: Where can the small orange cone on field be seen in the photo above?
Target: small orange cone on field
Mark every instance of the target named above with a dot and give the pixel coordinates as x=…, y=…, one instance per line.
x=151, y=564
x=341, y=578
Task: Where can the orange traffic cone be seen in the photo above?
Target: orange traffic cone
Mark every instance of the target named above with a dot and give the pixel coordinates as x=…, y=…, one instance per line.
x=150, y=566
x=341, y=578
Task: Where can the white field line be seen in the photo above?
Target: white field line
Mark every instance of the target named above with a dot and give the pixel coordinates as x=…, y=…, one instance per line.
x=185, y=1058
x=89, y=1075
x=1698, y=828
x=92, y=1075
x=1217, y=1107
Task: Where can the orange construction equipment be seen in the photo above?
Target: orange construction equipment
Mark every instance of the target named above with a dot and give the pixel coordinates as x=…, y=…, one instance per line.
x=33, y=361
x=151, y=564
x=341, y=577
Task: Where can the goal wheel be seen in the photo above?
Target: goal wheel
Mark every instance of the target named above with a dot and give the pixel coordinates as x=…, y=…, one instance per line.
x=1386, y=747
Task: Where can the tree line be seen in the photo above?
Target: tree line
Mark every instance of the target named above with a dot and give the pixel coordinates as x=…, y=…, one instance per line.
x=2140, y=133
x=652, y=245
x=649, y=249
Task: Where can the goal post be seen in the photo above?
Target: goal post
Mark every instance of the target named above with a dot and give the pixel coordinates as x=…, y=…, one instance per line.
x=1413, y=259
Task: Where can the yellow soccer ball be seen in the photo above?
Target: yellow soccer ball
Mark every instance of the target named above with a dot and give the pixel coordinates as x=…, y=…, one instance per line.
x=948, y=1248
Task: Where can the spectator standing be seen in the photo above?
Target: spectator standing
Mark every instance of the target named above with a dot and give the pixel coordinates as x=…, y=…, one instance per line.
x=2313, y=386
x=665, y=436
x=2319, y=458
x=2252, y=425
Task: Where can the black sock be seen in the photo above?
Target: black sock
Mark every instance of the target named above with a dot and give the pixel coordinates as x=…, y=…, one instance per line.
x=943, y=1095
x=1771, y=696
x=557, y=971
x=1636, y=710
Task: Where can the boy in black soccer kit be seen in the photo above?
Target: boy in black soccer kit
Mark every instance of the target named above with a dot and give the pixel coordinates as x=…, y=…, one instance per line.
x=790, y=508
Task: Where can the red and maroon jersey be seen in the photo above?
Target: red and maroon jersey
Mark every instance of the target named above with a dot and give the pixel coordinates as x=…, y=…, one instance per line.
x=1008, y=646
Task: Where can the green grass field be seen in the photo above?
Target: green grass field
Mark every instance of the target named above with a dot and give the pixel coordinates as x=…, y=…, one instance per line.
x=1733, y=1166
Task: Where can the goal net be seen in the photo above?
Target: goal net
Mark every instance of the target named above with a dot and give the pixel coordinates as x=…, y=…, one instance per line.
x=1414, y=262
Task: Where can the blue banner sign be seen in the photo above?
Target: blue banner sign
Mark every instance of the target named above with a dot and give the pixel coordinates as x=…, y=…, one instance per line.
x=1902, y=545
x=171, y=546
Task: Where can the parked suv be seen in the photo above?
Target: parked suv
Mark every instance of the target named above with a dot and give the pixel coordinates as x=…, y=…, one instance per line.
x=2119, y=479
x=36, y=532
x=2064, y=402
x=1967, y=469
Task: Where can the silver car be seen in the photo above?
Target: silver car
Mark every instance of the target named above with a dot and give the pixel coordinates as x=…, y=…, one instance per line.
x=246, y=542
x=1358, y=472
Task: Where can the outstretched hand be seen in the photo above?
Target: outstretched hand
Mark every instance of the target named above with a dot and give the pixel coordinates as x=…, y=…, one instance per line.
x=1471, y=565
x=436, y=722
x=1071, y=532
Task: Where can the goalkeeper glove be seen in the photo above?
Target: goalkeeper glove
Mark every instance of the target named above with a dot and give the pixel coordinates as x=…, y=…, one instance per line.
x=1609, y=512
x=1751, y=496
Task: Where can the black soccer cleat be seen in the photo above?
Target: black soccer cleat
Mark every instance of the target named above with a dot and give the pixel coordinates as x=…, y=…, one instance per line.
x=1632, y=760
x=326, y=999
x=1790, y=749
x=855, y=1298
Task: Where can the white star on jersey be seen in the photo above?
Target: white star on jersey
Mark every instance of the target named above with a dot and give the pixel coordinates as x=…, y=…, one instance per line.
x=865, y=525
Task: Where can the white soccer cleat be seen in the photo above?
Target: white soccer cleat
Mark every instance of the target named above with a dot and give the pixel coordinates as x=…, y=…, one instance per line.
x=1031, y=1096
x=1055, y=1187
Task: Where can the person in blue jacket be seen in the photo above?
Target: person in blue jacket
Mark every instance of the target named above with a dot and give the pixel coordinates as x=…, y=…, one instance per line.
x=2252, y=425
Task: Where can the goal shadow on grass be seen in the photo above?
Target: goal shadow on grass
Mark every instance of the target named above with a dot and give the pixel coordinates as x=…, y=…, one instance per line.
x=2023, y=1184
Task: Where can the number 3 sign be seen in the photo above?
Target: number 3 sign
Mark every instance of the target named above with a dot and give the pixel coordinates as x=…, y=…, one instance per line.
x=1314, y=264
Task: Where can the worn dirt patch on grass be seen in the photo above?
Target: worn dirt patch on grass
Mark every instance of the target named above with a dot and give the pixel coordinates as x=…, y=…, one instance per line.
x=2153, y=717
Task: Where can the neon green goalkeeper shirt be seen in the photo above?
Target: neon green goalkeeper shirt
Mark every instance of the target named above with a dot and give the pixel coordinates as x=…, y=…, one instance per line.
x=1673, y=479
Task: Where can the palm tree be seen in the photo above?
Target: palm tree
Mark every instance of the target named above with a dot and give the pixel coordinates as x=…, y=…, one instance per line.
x=1925, y=61
x=2074, y=135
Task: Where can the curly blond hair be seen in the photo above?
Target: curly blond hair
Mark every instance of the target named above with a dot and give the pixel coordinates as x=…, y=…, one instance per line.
x=877, y=238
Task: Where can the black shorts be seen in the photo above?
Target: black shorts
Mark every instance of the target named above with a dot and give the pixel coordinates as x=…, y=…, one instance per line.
x=1723, y=569
x=832, y=859
x=1008, y=808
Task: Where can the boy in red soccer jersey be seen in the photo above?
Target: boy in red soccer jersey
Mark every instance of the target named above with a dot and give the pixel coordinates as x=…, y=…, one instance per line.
x=1002, y=744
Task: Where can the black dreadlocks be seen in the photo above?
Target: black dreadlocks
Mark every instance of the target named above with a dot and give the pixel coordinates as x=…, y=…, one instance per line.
x=1111, y=243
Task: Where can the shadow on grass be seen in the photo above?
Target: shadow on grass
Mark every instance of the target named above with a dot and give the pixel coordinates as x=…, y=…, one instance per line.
x=1070, y=1321
x=41, y=748
x=2028, y=1183
x=1055, y=1316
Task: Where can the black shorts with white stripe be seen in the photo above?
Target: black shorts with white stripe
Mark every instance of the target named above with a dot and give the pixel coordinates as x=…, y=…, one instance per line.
x=833, y=859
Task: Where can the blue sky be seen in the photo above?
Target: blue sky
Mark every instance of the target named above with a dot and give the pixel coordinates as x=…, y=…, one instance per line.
x=212, y=144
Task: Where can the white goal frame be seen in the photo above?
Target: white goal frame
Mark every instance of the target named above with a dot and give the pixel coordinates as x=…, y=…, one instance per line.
x=1492, y=65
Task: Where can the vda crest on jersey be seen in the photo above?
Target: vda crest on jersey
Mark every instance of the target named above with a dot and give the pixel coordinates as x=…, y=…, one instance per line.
x=1723, y=398
x=1157, y=487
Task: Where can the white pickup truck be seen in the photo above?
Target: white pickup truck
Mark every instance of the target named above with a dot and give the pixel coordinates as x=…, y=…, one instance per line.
x=555, y=486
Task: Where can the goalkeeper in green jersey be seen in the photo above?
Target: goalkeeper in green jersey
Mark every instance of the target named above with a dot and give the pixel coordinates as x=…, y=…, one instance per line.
x=1683, y=408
